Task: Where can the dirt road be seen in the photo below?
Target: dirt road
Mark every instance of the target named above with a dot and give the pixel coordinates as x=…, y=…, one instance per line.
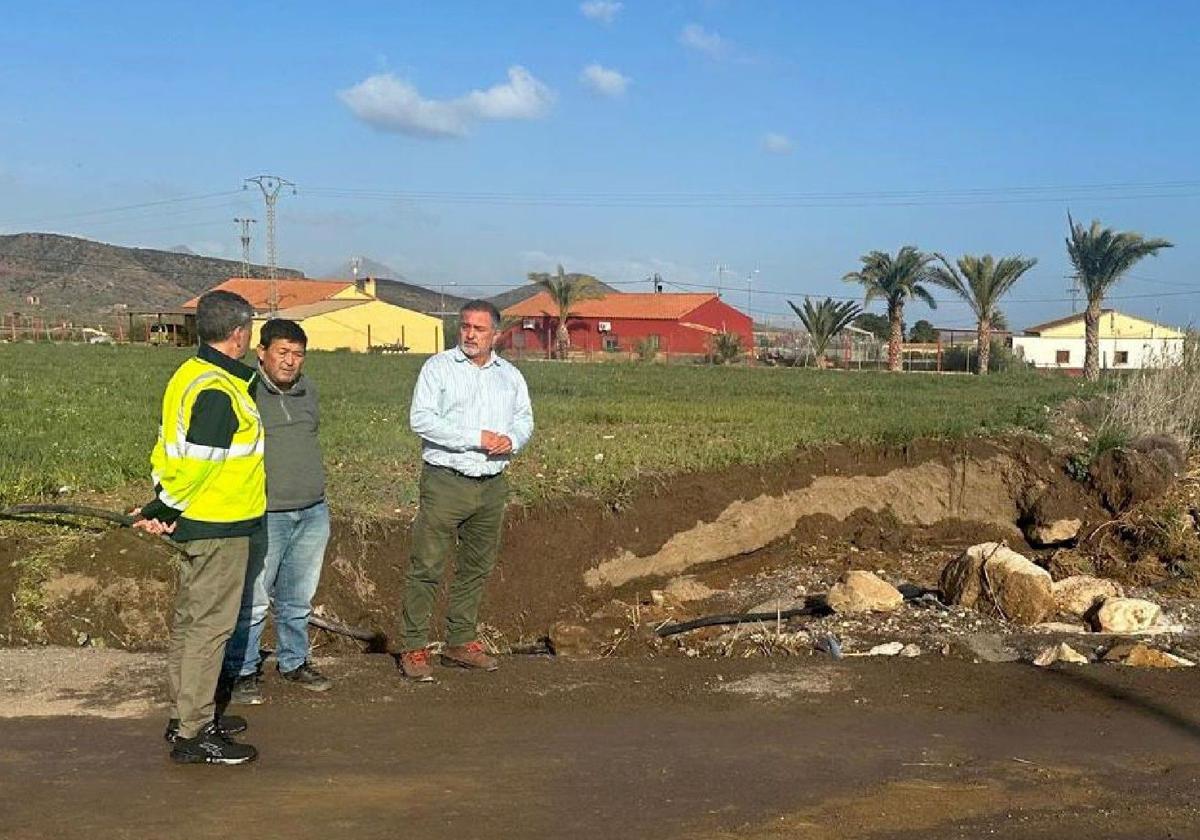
x=929, y=748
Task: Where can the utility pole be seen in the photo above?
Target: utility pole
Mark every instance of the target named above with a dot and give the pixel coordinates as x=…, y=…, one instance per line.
x=721, y=269
x=245, y=223
x=1074, y=290
x=355, y=263
x=749, y=298
x=271, y=186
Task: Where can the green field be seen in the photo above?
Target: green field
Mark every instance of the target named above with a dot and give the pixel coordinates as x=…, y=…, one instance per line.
x=85, y=417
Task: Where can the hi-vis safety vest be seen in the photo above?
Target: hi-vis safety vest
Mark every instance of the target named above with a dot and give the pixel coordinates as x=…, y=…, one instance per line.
x=210, y=484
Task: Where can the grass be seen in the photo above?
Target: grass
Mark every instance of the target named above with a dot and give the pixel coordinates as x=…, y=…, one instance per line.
x=85, y=417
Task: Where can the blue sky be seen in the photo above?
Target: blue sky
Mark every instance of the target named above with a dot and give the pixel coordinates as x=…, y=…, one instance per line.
x=474, y=142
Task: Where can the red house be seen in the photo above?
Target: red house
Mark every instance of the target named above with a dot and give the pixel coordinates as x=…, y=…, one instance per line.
x=681, y=323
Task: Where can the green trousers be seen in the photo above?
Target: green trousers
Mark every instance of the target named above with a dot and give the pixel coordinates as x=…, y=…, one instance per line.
x=206, y=609
x=452, y=508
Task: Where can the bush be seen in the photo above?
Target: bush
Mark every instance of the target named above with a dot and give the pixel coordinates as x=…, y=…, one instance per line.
x=1161, y=400
x=964, y=357
x=646, y=349
x=725, y=348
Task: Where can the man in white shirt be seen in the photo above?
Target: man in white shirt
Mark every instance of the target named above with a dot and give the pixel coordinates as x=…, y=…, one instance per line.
x=472, y=411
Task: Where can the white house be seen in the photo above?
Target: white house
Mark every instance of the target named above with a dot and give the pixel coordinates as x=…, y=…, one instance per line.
x=1126, y=343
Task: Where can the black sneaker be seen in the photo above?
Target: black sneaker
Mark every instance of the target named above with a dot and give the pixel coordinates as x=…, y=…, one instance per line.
x=212, y=746
x=306, y=676
x=245, y=691
x=226, y=724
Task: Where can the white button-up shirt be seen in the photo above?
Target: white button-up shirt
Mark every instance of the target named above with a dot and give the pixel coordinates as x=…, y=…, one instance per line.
x=455, y=400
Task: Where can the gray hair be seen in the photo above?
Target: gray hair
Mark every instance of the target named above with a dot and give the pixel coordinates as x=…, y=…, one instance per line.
x=482, y=306
x=219, y=313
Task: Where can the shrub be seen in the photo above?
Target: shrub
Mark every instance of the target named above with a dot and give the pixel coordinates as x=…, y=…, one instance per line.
x=726, y=347
x=964, y=357
x=646, y=349
x=1159, y=400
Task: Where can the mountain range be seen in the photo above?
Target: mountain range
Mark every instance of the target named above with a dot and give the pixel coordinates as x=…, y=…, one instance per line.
x=48, y=275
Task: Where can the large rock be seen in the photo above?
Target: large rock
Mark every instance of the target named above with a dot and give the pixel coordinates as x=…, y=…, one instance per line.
x=685, y=589
x=596, y=638
x=992, y=577
x=1078, y=595
x=1141, y=656
x=1126, y=615
x=859, y=592
x=1058, y=532
x=1061, y=652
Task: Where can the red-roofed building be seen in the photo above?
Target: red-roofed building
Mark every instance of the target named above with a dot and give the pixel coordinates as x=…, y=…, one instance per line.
x=681, y=323
x=257, y=290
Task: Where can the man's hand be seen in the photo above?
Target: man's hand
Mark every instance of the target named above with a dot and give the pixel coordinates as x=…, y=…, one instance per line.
x=151, y=526
x=494, y=444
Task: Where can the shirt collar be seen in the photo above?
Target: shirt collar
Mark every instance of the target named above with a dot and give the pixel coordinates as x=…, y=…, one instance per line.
x=229, y=365
x=297, y=389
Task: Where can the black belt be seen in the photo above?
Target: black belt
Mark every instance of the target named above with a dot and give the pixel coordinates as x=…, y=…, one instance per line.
x=455, y=472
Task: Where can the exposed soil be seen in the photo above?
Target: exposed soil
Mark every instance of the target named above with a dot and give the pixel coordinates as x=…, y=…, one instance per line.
x=902, y=510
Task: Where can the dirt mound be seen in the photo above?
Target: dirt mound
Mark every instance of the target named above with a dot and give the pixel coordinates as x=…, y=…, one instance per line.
x=1127, y=477
x=908, y=508
x=113, y=589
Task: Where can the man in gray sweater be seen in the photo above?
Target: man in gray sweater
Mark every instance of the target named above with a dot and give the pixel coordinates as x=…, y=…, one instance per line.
x=286, y=555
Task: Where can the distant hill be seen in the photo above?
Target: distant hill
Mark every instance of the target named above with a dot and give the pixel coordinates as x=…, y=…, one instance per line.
x=79, y=279
x=514, y=296
x=416, y=297
x=366, y=268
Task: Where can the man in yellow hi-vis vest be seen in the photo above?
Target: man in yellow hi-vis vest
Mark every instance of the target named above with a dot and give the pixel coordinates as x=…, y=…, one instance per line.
x=210, y=495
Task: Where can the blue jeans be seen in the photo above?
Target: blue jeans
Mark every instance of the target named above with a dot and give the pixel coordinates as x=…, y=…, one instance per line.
x=282, y=575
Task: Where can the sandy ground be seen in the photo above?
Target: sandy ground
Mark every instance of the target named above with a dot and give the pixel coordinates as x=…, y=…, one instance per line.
x=797, y=748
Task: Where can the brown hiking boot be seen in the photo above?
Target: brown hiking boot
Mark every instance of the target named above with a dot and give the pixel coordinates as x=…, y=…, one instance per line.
x=414, y=664
x=470, y=655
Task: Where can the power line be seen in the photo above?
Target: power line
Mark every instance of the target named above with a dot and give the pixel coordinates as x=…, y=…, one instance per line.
x=122, y=208
x=878, y=198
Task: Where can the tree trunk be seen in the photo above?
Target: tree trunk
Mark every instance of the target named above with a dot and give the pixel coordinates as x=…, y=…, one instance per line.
x=563, y=339
x=896, y=317
x=1091, y=341
x=983, y=340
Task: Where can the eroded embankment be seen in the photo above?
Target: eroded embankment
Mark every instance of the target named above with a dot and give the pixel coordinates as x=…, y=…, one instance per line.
x=571, y=555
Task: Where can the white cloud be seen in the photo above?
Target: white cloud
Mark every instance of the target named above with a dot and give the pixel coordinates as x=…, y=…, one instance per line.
x=392, y=104
x=604, y=81
x=776, y=143
x=696, y=37
x=602, y=11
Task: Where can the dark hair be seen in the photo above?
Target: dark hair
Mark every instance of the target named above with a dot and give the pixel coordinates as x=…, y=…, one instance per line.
x=219, y=313
x=283, y=329
x=481, y=306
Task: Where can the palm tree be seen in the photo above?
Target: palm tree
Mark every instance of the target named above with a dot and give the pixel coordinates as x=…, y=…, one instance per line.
x=895, y=280
x=981, y=282
x=566, y=291
x=1101, y=256
x=824, y=321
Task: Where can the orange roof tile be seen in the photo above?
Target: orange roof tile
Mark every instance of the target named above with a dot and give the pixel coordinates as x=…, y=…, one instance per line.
x=643, y=305
x=291, y=292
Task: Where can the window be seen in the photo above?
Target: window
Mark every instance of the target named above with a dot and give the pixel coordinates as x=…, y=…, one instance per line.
x=1121, y=357
x=1062, y=357
x=654, y=341
x=610, y=343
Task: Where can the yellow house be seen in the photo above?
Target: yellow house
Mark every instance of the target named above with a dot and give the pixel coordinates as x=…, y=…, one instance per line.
x=339, y=324
x=1126, y=342
x=337, y=314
